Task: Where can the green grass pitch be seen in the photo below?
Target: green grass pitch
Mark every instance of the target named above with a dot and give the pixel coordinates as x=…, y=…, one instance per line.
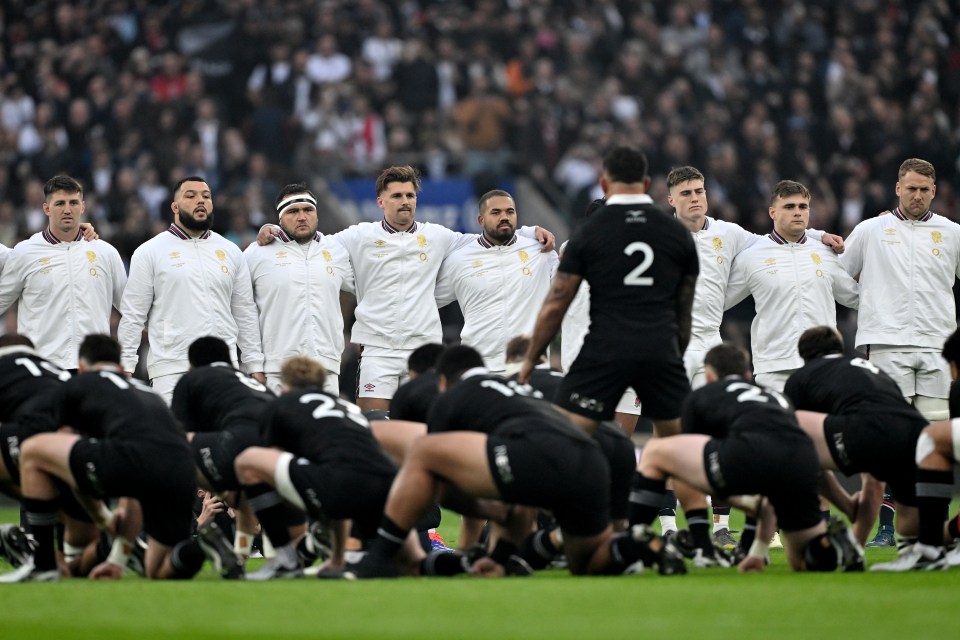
x=776, y=605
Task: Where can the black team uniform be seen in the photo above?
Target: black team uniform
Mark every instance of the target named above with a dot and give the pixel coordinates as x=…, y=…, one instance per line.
x=635, y=257
x=132, y=447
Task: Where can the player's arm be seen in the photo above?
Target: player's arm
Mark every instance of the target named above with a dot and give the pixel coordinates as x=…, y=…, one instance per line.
x=738, y=286
x=846, y=290
x=562, y=291
x=11, y=282
x=852, y=258
x=135, y=307
x=685, y=310
x=119, y=274
x=248, y=322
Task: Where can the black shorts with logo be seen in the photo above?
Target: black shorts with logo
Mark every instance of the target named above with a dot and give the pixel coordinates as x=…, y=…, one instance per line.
x=535, y=464
x=594, y=386
x=339, y=491
x=782, y=466
x=880, y=445
x=160, y=476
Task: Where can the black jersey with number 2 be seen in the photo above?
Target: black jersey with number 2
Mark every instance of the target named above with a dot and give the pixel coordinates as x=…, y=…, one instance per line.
x=635, y=257
x=734, y=405
x=209, y=398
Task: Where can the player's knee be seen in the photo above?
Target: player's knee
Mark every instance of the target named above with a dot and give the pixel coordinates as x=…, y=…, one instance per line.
x=246, y=471
x=933, y=409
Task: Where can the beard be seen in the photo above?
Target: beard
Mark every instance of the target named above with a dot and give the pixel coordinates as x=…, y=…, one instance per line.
x=300, y=236
x=501, y=234
x=188, y=221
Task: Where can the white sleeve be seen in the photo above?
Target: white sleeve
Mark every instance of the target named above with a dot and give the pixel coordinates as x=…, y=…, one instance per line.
x=248, y=321
x=349, y=283
x=852, y=256
x=737, y=286
x=445, y=291
x=846, y=291
x=135, y=307
x=11, y=284
x=119, y=278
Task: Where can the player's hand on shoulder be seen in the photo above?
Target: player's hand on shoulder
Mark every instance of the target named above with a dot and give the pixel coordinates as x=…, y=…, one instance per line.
x=833, y=241
x=267, y=234
x=545, y=238
x=89, y=233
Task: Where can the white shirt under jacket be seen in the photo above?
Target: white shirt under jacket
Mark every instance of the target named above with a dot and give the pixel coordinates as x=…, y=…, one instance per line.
x=500, y=290
x=297, y=290
x=907, y=269
x=66, y=291
x=182, y=288
x=795, y=286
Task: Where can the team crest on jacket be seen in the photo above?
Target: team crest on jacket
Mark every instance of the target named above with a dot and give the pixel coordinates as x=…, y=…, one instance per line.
x=326, y=256
x=717, y=244
x=421, y=240
x=174, y=254
x=816, y=258
x=91, y=258
x=936, y=236
x=222, y=256
x=523, y=255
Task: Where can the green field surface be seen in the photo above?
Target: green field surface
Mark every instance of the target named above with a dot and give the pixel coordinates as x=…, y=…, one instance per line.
x=777, y=604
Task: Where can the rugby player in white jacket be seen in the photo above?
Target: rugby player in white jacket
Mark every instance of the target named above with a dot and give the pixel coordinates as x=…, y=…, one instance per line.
x=296, y=285
x=395, y=263
x=66, y=286
x=498, y=279
x=907, y=262
x=795, y=282
x=186, y=283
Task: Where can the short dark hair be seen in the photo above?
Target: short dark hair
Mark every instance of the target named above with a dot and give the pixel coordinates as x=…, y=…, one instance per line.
x=683, y=174
x=207, y=350
x=98, y=347
x=301, y=372
x=290, y=189
x=176, y=187
x=15, y=340
x=494, y=193
x=517, y=348
x=405, y=173
x=917, y=165
x=62, y=183
x=819, y=341
x=424, y=358
x=786, y=188
x=951, y=348
x=457, y=359
x=625, y=164
x=727, y=359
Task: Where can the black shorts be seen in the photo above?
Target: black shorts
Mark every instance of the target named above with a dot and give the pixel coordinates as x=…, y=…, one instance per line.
x=621, y=456
x=160, y=476
x=536, y=465
x=781, y=466
x=593, y=387
x=10, y=439
x=882, y=446
x=338, y=491
x=214, y=453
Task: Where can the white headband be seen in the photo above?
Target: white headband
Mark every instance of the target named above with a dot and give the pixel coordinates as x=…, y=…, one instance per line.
x=296, y=198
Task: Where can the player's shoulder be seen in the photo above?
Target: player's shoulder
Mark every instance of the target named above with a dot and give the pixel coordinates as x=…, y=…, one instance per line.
x=942, y=221
x=223, y=243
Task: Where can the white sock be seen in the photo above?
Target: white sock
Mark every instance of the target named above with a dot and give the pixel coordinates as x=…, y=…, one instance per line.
x=720, y=523
x=668, y=523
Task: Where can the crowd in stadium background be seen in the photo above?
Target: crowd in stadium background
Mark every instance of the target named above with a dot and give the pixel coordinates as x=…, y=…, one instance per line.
x=129, y=95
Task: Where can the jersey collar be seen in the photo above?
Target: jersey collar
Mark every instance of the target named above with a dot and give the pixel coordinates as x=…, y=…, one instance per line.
x=391, y=229
x=923, y=218
x=283, y=235
x=630, y=198
x=476, y=371
x=183, y=235
x=779, y=239
x=489, y=245
x=52, y=239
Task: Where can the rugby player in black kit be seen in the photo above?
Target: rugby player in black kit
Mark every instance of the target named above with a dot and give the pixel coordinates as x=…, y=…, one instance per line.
x=127, y=444
x=740, y=439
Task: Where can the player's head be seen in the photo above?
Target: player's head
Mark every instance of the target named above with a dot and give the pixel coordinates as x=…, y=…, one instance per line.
x=192, y=204
x=15, y=340
x=454, y=362
x=397, y=189
x=916, y=186
x=517, y=348
x=817, y=342
x=424, y=358
x=790, y=209
x=302, y=372
x=63, y=204
x=687, y=194
x=498, y=216
x=625, y=165
x=951, y=353
x=98, y=349
x=726, y=360
x=297, y=210
x=207, y=350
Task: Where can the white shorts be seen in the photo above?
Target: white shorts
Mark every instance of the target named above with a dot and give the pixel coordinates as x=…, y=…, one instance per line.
x=629, y=403
x=381, y=371
x=331, y=385
x=693, y=363
x=164, y=385
x=917, y=373
x=775, y=380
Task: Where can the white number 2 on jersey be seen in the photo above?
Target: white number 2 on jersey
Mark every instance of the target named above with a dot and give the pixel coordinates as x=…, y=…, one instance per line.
x=751, y=393
x=865, y=364
x=636, y=278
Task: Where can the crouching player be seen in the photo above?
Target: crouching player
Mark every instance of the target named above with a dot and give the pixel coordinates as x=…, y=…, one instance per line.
x=739, y=439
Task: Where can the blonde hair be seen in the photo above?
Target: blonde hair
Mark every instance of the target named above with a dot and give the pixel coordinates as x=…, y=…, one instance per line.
x=301, y=372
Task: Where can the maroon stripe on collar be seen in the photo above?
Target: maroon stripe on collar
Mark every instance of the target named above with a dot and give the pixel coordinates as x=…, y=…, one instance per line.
x=489, y=245
x=776, y=237
x=283, y=235
x=900, y=214
x=52, y=239
x=183, y=235
x=391, y=229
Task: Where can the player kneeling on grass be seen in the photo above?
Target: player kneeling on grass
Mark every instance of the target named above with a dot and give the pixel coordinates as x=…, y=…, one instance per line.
x=488, y=442
x=739, y=439
x=320, y=457
x=127, y=444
